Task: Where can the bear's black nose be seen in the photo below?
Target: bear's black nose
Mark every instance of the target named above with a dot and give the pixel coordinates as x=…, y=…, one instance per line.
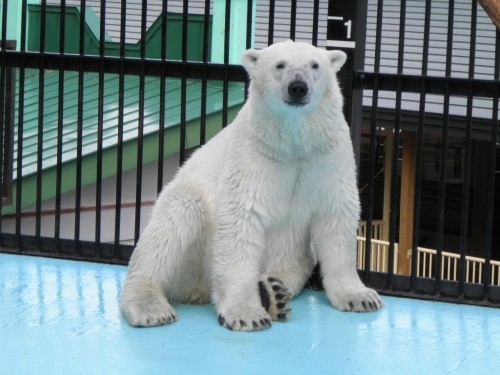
x=297, y=89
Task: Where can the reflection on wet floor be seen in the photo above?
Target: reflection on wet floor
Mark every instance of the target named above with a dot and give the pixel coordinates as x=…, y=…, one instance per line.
x=62, y=317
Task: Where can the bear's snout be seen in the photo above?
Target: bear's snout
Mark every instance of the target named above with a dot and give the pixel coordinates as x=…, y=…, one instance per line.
x=298, y=89
x=298, y=93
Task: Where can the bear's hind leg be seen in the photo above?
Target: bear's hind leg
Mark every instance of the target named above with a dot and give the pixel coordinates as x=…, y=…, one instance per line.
x=169, y=261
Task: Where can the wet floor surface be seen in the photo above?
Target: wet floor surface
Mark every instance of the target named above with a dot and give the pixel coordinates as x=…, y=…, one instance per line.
x=62, y=317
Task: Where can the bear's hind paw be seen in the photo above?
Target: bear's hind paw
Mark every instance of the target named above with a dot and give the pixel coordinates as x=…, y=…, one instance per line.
x=148, y=310
x=363, y=300
x=275, y=298
x=243, y=324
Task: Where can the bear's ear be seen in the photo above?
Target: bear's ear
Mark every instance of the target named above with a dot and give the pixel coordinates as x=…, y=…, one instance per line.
x=337, y=59
x=249, y=59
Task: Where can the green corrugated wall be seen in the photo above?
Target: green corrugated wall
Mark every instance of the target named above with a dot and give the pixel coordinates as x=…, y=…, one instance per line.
x=112, y=48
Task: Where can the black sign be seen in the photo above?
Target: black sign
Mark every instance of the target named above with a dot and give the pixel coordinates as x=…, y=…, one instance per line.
x=341, y=30
x=341, y=34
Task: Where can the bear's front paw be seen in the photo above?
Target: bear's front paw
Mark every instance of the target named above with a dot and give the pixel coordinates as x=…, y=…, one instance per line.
x=275, y=298
x=244, y=319
x=359, y=300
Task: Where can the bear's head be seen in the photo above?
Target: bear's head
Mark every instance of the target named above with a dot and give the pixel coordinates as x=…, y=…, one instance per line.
x=293, y=76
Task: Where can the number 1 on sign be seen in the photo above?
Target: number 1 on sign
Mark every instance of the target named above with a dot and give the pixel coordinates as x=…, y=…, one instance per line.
x=348, y=25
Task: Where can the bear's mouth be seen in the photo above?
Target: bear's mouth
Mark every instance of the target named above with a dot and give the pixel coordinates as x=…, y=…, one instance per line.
x=297, y=103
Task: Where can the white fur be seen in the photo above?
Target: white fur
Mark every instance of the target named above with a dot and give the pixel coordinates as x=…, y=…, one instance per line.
x=250, y=202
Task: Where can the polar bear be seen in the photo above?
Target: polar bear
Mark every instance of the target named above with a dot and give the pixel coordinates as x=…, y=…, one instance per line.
x=249, y=215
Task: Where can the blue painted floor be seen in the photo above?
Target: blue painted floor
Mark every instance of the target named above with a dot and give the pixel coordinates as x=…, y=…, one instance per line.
x=61, y=317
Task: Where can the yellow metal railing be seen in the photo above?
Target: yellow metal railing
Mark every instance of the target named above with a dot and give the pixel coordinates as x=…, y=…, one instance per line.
x=450, y=262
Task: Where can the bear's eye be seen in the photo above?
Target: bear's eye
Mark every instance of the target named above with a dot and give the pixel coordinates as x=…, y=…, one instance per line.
x=280, y=66
x=315, y=66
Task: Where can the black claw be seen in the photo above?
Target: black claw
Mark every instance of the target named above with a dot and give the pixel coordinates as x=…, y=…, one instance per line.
x=364, y=304
x=265, y=322
x=255, y=325
x=221, y=320
x=370, y=304
x=242, y=323
x=280, y=296
x=351, y=305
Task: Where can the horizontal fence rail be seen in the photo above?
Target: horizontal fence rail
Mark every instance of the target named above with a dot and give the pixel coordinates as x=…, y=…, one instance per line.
x=433, y=85
x=129, y=65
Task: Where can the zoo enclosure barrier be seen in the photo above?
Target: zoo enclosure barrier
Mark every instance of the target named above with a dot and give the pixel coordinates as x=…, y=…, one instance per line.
x=112, y=95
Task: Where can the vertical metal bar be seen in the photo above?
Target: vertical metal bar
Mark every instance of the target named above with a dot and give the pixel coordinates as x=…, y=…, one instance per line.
x=41, y=96
x=227, y=46
x=3, y=110
x=204, y=83
x=182, y=140
x=464, y=222
x=161, y=130
x=100, y=130
x=315, y=24
x=293, y=19
x=444, y=152
x=397, y=127
x=8, y=134
x=79, y=130
x=490, y=196
x=373, y=135
x=270, y=26
x=121, y=104
x=3, y=38
x=249, y=35
x=420, y=147
x=20, y=125
x=394, y=191
x=60, y=124
x=356, y=120
x=206, y=31
x=185, y=20
x=140, y=124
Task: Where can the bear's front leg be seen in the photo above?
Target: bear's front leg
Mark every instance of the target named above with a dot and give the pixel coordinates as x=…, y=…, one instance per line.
x=334, y=241
x=237, y=256
x=238, y=304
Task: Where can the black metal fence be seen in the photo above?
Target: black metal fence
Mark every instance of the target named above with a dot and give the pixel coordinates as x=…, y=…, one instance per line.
x=36, y=64
x=432, y=84
x=106, y=110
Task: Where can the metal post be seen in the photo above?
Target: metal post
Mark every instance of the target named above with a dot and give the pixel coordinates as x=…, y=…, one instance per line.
x=346, y=31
